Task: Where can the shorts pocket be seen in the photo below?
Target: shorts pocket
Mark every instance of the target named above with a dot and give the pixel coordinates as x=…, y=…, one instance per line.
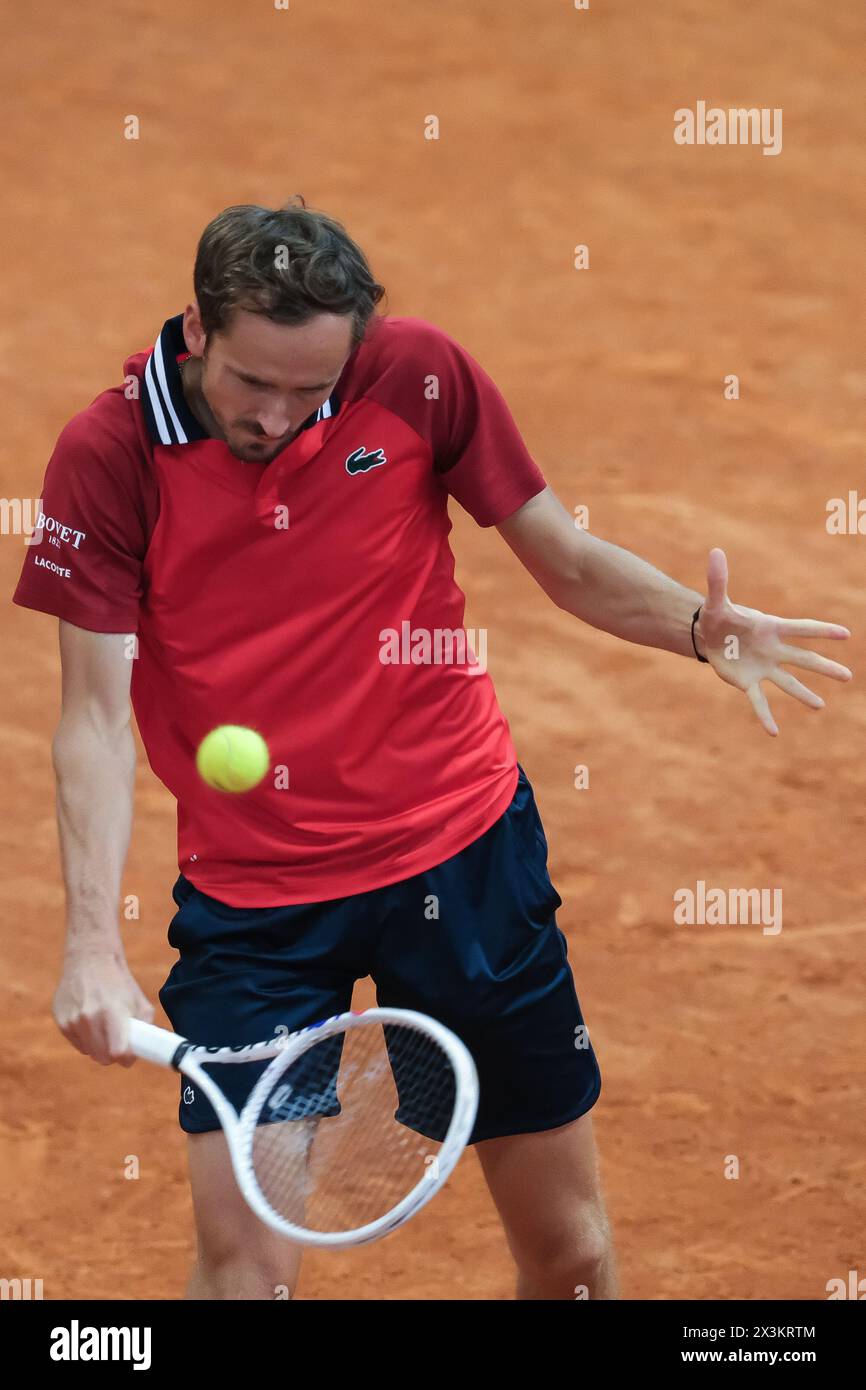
x=188, y=922
x=530, y=840
x=534, y=895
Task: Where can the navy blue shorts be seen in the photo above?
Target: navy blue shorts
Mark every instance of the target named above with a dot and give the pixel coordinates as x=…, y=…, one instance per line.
x=473, y=942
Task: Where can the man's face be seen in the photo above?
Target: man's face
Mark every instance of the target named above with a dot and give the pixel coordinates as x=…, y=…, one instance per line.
x=261, y=380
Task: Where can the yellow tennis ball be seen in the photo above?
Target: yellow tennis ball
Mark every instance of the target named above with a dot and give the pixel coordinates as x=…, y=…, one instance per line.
x=232, y=758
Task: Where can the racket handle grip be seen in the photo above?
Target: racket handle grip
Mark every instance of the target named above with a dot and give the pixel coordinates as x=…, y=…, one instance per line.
x=152, y=1044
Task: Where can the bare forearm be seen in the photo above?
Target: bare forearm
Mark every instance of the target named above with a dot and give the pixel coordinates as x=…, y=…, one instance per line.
x=605, y=586
x=622, y=594
x=619, y=593
x=95, y=772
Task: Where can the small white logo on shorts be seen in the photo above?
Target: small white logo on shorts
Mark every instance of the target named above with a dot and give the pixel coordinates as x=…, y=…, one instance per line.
x=188, y=1095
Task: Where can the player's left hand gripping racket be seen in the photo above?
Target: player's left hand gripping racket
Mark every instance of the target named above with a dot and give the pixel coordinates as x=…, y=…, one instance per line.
x=352, y=1125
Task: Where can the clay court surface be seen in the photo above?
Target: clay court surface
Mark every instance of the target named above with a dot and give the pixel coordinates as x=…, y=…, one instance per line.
x=555, y=129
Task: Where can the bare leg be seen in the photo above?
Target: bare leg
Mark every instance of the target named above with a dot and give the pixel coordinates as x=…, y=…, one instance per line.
x=238, y=1256
x=548, y=1194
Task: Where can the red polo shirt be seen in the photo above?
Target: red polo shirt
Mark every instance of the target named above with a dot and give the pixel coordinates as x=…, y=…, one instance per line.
x=312, y=598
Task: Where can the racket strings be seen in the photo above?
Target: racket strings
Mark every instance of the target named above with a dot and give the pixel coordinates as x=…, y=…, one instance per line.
x=351, y=1126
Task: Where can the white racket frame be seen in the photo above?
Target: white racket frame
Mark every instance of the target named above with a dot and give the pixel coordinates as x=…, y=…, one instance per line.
x=167, y=1049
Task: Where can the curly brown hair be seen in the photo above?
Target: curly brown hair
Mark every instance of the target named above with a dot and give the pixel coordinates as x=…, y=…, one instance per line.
x=288, y=264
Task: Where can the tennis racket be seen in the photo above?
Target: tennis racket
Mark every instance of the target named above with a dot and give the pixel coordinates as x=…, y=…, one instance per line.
x=351, y=1126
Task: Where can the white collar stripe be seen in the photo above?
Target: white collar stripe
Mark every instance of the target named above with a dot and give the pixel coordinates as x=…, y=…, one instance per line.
x=160, y=371
x=155, y=403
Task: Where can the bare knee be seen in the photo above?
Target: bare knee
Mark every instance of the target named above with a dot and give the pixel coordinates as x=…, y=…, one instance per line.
x=567, y=1260
x=241, y=1273
x=242, y=1258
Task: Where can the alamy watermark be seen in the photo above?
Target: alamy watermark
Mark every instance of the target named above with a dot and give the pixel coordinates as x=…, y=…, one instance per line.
x=20, y=1289
x=437, y=646
x=738, y=125
x=77, y=1343
x=729, y=907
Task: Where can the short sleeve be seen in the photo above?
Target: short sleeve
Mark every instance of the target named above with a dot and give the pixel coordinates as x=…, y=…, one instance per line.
x=477, y=446
x=85, y=563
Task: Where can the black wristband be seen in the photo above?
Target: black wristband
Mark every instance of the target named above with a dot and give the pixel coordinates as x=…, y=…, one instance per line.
x=697, y=653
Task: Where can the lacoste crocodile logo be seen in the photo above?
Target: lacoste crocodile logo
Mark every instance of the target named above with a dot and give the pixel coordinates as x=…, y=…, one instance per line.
x=361, y=461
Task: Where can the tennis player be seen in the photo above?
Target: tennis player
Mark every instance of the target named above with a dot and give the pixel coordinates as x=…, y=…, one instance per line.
x=263, y=502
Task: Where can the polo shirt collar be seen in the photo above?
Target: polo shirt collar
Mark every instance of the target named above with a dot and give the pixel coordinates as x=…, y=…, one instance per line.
x=169, y=418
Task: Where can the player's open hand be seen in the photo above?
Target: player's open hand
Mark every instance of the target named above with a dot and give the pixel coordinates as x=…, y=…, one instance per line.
x=745, y=646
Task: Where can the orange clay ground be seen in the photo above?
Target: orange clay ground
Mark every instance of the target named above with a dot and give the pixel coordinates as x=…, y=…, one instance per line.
x=555, y=129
